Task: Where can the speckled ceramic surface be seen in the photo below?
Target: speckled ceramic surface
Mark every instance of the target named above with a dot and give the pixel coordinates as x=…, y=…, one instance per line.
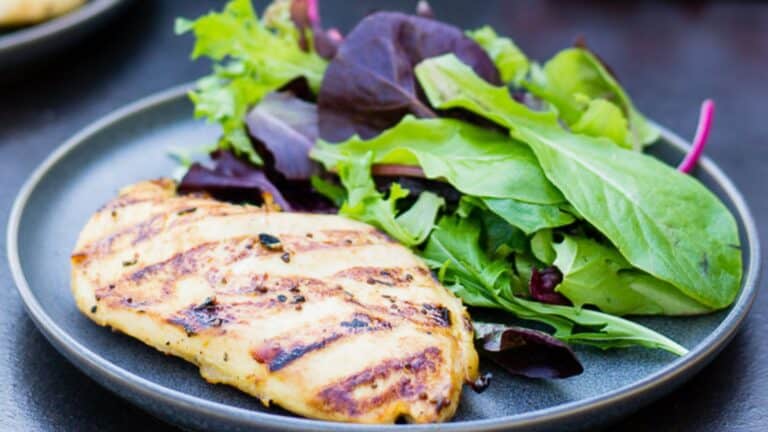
x=19, y=44
x=132, y=145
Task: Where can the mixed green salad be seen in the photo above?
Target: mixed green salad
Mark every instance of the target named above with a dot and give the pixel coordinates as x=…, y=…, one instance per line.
x=524, y=186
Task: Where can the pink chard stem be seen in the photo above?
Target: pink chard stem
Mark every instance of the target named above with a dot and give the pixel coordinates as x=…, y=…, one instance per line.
x=700, y=140
x=313, y=12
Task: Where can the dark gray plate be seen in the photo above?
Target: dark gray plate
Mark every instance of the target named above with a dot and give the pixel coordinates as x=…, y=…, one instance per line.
x=131, y=145
x=17, y=45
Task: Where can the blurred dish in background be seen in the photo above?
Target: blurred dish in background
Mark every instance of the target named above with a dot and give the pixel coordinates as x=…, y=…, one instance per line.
x=59, y=22
x=23, y=12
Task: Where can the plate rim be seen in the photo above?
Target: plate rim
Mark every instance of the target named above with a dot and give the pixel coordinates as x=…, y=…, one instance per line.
x=91, y=362
x=37, y=32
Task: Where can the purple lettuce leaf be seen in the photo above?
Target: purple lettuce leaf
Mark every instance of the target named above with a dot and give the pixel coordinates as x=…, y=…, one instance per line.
x=527, y=352
x=543, y=283
x=284, y=129
x=231, y=179
x=235, y=180
x=370, y=85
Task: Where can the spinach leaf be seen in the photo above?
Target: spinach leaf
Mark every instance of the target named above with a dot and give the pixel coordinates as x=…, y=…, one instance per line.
x=251, y=59
x=366, y=204
x=453, y=249
x=663, y=222
x=509, y=60
x=596, y=274
x=573, y=79
x=369, y=85
x=474, y=160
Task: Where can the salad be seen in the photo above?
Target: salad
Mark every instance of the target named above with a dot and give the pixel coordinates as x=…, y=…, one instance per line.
x=523, y=185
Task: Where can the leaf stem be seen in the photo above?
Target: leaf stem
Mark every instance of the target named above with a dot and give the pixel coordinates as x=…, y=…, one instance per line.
x=700, y=140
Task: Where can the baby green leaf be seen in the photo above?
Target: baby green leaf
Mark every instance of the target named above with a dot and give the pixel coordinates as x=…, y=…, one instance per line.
x=509, y=60
x=573, y=79
x=604, y=119
x=596, y=274
x=528, y=217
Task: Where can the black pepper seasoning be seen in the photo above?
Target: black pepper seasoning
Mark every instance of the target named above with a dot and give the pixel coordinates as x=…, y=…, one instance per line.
x=270, y=242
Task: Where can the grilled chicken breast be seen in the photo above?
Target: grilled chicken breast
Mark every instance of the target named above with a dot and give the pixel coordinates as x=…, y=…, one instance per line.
x=322, y=315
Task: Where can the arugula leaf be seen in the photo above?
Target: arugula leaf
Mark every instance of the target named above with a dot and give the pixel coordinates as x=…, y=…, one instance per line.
x=251, y=59
x=573, y=79
x=598, y=275
x=460, y=153
x=454, y=249
x=366, y=204
x=509, y=60
x=663, y=222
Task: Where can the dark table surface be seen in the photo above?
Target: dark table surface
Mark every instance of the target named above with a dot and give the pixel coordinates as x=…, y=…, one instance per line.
x=670, y=57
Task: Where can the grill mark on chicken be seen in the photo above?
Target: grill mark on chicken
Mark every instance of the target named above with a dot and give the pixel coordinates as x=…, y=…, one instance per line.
x=197, y=318
x=340, y=395
x=391, y=276
x=145, y=230
x=156, y=224
x=330, y=239
x=193, y=261
x=279, y=352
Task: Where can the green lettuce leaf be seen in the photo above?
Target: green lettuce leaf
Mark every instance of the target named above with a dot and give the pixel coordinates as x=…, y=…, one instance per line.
x=366, y=204
x=663, y=222
x=604, y=119
x=454, y=250
x=335, y=193
x=509, y=60
x=572, y=80
x=251, y=58
x=596, y=274
x=528, y=217
x=474, y=160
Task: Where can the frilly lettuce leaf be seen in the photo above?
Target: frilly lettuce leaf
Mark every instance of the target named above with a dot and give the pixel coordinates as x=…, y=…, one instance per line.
x=366, y=204
x=251, y=58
